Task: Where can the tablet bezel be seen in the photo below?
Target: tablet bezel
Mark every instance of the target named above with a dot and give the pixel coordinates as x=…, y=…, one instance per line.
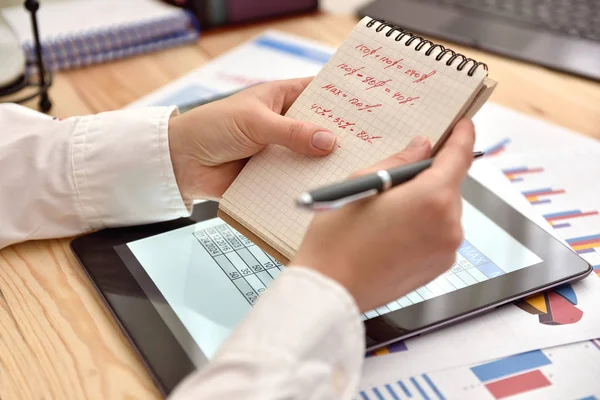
x=141, y=311
x=475, y=299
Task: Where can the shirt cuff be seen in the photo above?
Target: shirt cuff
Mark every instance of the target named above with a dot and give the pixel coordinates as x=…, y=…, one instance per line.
x=122, y=168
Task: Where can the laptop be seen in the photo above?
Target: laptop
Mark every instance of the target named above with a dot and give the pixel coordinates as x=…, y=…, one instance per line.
x=562, y=35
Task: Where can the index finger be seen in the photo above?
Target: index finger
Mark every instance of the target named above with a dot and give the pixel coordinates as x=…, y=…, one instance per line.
x=455, y=158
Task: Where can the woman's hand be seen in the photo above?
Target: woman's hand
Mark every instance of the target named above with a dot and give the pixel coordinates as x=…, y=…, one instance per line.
x=384, y=247
x=379, y=249
x=210, y=145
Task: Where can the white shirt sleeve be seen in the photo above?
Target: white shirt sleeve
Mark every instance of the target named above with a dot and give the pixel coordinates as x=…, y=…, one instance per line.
x=62, y=178
x=304, y=338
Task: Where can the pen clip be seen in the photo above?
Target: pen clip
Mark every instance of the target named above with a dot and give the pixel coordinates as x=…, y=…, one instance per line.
x=331, y=205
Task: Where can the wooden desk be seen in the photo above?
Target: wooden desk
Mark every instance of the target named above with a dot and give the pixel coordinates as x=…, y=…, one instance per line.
x=57, y=339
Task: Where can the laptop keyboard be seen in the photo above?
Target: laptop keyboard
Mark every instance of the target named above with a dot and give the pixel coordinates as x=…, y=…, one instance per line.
x=580, y=18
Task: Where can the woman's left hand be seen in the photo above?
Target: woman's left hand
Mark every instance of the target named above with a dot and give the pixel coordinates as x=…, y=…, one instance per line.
x=210, y=145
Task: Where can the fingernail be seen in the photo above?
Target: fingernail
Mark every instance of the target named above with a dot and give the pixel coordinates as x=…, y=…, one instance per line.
x=418, y=141
x=323, y=140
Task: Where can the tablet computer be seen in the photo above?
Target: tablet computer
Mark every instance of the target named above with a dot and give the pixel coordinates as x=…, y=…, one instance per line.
x=179, y=288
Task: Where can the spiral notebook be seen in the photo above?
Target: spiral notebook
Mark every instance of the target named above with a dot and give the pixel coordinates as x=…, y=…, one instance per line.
x=380, y=89
x=82, y=32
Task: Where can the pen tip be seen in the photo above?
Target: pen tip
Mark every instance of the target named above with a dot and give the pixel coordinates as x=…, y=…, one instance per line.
x=304, y=200
x=478, y=154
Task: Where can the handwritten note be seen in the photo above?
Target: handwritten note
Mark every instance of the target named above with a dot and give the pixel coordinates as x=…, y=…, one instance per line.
x=379, y=90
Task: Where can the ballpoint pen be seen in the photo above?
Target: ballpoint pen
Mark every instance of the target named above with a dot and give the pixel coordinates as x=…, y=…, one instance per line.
x=341, y=193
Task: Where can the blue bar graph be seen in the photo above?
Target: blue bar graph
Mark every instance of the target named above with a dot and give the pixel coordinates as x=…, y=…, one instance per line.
x=497, y=148
x=582, y=238
x=415, y=388
x=561, y=214
x=419, y=388
x=392, y=392
x=404, y=389
x=514, y=170
x=545, y=201
x=585, y=251
x=536, y=191
x=378, y=394
x=432, y=385
x=565, y=225
x=510, y=365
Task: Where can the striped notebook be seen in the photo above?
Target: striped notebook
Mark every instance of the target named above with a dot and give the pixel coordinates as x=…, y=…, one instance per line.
x=82, y=32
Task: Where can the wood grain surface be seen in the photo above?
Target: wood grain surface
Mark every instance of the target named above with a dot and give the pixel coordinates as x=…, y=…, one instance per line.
x=57, y=338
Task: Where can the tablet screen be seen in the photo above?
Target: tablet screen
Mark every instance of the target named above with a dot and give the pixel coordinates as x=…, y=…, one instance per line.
x=210, y=275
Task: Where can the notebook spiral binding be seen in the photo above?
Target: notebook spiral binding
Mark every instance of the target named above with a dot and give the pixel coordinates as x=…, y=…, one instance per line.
x=424, y=42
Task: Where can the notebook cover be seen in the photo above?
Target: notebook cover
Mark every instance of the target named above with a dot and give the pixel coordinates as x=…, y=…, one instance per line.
x=82, y=60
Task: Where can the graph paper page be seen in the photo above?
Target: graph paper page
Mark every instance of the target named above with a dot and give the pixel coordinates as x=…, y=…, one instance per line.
x=375, y=94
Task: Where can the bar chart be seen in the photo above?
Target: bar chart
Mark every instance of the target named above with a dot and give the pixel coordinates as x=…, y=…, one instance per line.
x=565, y=372
x=564, y=192
x=585, y=244
x=557, y=173
x=497, y=148
x=416, y=387
x=541, y=196
x=561, y=219
x=517, y=174
x=514, y=375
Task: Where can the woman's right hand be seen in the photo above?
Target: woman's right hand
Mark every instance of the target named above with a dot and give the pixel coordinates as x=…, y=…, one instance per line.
x=384, y=247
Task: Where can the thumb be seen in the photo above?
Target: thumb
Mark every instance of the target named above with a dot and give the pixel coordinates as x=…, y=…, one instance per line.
x=299, y=136
x=418, y=149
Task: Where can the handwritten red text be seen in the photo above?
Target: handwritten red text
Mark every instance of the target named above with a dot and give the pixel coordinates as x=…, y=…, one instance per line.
x=350, y=70
x=343, y=124
x=362, y=106
x=419, y=76
x=335, y=90
x=367, y=51
x=404, y=99
x=373, y=82
x=365, y=136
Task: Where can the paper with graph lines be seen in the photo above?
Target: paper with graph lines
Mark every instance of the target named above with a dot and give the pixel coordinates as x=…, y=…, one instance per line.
x=376, y=93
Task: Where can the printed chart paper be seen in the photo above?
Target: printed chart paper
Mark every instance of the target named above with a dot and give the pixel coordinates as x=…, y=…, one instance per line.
x=573, y=370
